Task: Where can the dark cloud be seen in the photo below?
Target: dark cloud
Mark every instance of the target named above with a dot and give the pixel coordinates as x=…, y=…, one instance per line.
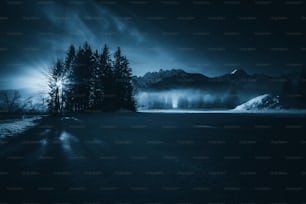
x=211, y=37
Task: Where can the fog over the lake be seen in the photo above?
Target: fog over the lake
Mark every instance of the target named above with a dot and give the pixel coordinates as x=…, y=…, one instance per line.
x=187, y=99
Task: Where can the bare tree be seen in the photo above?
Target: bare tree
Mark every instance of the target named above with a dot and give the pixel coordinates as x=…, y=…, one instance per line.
x=10, y=101
x=27, y=104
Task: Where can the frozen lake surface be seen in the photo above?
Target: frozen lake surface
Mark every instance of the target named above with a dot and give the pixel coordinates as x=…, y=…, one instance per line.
x=156, y=158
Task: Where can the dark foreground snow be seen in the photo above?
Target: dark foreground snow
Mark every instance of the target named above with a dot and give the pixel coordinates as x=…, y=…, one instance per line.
x=157, y=158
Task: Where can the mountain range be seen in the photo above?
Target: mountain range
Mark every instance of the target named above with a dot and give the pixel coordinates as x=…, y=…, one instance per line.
x=196, y=90
x=177, y=78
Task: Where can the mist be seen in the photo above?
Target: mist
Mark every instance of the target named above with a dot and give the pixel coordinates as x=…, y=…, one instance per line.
x=186, y=99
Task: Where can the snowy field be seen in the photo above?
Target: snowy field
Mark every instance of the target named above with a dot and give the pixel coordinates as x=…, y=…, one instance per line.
x=13, y=127
x=155, y=158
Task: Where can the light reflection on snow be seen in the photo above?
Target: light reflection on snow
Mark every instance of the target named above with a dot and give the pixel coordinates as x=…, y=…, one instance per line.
x=43, y=142
x=66, y=140
x=44, y=134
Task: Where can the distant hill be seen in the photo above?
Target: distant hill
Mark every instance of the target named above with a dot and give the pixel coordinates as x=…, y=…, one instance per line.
x=237, y=80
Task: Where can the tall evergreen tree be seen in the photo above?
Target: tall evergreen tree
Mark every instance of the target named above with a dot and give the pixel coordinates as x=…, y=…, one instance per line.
x=70, y=57
x=95, y=82
x=81, y=75
x=117, y=66
x=123, y=85
x=68, y=91
x=56, y=87
x=128, y=99
x=107, y=79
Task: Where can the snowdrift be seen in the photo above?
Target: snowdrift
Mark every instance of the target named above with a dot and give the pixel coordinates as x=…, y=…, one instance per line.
x=260, y=103
x=14, y=127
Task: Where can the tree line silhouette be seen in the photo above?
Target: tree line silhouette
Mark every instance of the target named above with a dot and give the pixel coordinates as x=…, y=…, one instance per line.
x=89, y=81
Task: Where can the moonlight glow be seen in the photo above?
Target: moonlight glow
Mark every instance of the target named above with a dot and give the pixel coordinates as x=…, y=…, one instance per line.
x=35, y=80
x=59, y=84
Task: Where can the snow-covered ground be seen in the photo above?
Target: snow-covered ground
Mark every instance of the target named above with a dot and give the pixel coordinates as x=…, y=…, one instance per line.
x=16, y=126
x=263, y=102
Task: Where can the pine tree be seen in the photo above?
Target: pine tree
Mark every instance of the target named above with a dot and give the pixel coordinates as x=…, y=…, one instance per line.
x=76, y=80
x=118, y=89
x=123, y=86
x=107, y=79
x=95, y=82
x=70, y=57
x=81, y=76
x=88, y=80
x=56, y=86
x=128, y=99
x=68, y=91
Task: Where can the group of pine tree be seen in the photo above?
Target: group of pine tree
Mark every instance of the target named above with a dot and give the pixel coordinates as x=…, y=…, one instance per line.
x=89, y=81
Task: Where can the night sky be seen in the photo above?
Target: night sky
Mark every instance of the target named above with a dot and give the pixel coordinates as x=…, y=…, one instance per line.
x=210, y=37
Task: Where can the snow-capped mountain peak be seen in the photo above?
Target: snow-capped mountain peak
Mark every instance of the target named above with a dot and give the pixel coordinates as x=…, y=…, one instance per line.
x=239, y=72
x=155, y=77
x=234, y=71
